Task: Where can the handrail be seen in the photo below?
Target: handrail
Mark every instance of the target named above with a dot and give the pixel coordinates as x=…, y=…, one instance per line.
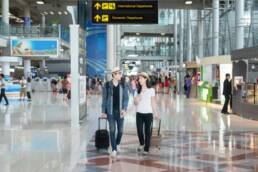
x=58, y=31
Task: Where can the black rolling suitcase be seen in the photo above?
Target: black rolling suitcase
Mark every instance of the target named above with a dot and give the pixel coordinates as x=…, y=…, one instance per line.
x=102, y=137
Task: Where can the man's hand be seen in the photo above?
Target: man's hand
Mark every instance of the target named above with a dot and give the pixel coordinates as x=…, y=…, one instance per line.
x=103, y=115
x=122, y=114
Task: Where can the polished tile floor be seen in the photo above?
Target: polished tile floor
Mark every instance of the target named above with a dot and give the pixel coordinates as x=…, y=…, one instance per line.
x=37, y=137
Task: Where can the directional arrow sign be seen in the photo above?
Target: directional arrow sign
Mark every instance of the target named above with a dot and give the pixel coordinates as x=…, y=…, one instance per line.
x=97, y=6
x=124, y=12
x=97, y=18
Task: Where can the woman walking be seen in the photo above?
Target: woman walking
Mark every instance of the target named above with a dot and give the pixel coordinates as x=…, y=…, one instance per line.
x=145, y=107
x=23, y=83
x=3, y=86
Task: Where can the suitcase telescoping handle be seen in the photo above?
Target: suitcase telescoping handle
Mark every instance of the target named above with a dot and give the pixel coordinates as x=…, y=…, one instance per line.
x=158, y=127
x=100, y=118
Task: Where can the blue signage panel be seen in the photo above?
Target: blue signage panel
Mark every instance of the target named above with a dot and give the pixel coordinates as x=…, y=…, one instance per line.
x=96, y=47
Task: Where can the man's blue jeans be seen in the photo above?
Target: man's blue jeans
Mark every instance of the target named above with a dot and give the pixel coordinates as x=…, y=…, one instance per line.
x=115, y=121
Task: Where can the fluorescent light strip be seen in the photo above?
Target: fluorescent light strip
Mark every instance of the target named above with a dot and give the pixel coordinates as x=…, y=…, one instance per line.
x=188, y=2
x=40, y=2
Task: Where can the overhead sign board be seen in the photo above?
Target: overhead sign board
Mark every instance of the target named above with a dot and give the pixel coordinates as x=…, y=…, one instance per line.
x=125, y=12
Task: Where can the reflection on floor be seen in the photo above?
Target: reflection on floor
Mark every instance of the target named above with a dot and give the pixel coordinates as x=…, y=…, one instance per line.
x=195, y=137
x=181, y=151
x=37, y=137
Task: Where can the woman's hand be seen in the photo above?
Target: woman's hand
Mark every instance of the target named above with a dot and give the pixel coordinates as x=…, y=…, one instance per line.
x=137, y=99
x=157, y=115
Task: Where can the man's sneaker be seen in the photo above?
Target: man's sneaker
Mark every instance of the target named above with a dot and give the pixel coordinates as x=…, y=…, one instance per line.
x=140, y=148
x=113, y=154
x=145, y=153
x=118, y=148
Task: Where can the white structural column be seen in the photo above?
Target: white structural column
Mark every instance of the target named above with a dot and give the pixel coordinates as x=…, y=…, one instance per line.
x=27, y=62
x=115, y=45
x=6, y=68
x=181, y=53
x=27, y=20
x=43, y=21
x=27, y=68
x=181, y=42
x=74, y=44
x=189, y=36
x=110, y=47
x=175, y=36
x=215, y=35
x=118, y=44
x=5, y=11
x=239, y=26
x=43, y=64
x=200, y=34
x=5, y=19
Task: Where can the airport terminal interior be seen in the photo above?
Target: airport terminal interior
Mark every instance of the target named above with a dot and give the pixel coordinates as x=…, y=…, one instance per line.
x=129, y=85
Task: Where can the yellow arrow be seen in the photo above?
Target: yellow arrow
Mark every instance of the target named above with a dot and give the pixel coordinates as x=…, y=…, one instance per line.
x=97, y=18
x=97, y=6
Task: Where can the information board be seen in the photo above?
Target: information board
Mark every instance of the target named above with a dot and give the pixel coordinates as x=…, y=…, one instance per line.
x=125, y=12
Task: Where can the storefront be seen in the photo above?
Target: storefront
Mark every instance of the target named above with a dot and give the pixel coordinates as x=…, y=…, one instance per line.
x=193, y=69
x=213, y=73
x=245, y=82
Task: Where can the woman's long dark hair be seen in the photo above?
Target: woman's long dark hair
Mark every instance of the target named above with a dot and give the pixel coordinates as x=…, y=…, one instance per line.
x=139, y=87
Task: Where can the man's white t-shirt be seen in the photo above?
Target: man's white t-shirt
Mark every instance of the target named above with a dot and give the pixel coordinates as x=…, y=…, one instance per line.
x=144, y=105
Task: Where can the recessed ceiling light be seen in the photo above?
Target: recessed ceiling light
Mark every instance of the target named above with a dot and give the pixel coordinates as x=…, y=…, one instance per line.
x=46, y=13
x=188, y=2
x=59, y=12
x=138, y=34
x=163, y=34
x=40, y=2
x=65, y=12
x=51, y=12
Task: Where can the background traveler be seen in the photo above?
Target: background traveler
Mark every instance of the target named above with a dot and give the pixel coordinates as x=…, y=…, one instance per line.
x=28, y=88
x=23, y=83
x=188, y=85
x=227, y=93
x=2, y=86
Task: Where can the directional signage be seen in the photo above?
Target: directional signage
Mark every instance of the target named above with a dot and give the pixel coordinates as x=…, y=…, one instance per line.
x=125, y=12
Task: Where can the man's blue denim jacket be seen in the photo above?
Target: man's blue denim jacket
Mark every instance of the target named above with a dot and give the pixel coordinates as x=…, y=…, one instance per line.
x=107, y=98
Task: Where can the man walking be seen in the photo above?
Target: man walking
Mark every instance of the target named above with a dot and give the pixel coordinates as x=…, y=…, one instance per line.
x=2, y=86
x=227, y=93
x=114, y=104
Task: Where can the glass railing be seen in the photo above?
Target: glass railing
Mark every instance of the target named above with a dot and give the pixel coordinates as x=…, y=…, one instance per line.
x=227, y=41
x=35, y=31
x=65, y=33
x=164, y=50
